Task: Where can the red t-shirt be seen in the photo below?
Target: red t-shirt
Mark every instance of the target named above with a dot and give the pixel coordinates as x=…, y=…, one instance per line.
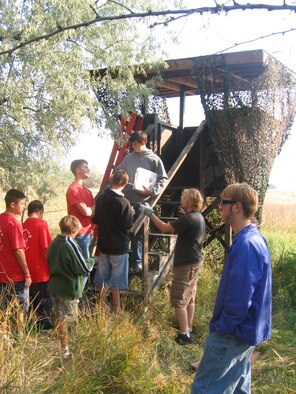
x=11, y=238
x=77, y=194
x=37, y=238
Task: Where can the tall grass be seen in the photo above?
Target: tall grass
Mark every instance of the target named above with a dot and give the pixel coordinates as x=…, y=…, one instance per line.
x=135, y=352
x=276, y=370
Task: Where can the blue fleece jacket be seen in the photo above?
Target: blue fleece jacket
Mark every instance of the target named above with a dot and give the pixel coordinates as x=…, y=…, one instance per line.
x=243, y=304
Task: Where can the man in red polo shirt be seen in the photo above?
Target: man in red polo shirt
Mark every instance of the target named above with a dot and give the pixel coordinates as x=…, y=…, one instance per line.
x=80, y=203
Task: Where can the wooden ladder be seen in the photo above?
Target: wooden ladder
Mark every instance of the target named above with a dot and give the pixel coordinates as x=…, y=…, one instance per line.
x=119, y=151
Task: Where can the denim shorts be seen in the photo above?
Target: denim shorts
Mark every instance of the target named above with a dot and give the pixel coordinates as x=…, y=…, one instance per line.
x=13, y=291
x=112, y=272
x=184, y=282
x=64, y=309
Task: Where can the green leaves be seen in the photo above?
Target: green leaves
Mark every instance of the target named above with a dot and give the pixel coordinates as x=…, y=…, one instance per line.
x=47, y=95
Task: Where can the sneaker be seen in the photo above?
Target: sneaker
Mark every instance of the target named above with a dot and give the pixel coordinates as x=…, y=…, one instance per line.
x=66, y=353
x=136, y=269
x=183, y=339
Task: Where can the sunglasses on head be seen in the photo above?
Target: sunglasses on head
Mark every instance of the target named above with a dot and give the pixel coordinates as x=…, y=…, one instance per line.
x=225, y=202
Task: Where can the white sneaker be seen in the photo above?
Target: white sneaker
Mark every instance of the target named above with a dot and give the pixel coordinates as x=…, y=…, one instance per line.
x=66, y=353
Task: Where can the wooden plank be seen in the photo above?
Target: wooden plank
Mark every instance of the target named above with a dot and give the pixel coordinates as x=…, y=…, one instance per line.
x=145, y=258
x=171, y=85
x=252, y=56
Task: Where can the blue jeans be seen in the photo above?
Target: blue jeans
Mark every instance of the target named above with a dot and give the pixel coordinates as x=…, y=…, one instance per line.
x=11, y=291
x=85, y=241
x=137, y=242
x=112, y=271
x=224, y=368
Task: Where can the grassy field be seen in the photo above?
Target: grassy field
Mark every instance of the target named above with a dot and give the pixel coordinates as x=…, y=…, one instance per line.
x=135, y=352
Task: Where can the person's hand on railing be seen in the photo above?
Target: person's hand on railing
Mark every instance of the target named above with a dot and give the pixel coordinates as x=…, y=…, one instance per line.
x=146, y=209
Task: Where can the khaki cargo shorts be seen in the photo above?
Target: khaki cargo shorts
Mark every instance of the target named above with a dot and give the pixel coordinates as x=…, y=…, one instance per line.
x=184, y=283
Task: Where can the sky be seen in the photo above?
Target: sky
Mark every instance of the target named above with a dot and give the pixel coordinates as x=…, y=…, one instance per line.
x=208, y=34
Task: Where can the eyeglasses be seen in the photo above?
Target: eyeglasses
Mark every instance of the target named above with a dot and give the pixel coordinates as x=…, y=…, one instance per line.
x=227, y=202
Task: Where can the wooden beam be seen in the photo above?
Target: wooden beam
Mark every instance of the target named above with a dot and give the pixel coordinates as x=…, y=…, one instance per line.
x=169, y=85
x=190, y=81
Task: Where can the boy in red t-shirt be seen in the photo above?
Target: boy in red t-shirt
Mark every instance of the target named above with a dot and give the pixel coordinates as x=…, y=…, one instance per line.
x=38, y=238
x=81, y=204
x=15, y=276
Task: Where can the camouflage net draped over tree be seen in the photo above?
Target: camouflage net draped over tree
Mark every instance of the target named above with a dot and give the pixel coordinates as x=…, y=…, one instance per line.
x=144, y=105
x=248, y=121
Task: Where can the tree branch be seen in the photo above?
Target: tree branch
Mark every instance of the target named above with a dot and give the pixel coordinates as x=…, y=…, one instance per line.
x=257, y=38
x=182, y=13
x=121, y=5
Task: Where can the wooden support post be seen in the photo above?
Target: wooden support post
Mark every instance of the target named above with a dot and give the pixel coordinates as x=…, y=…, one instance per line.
x=201, y=164
x=145, y=246
x=181, y=121
x=182, y=108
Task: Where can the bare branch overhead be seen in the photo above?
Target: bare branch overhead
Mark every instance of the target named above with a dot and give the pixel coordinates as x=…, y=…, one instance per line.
x=174, y=15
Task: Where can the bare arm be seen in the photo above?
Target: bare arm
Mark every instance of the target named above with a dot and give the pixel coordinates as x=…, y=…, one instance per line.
x=21, y=258
x=84, y=210
x=162, y=226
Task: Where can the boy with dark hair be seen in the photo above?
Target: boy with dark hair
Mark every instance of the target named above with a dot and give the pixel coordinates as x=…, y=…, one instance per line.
x=80, y=203
x=141, y=157
x=242, y=312
x=67, y=268
x=15, y=276
x=38, y=238
x=114, y=217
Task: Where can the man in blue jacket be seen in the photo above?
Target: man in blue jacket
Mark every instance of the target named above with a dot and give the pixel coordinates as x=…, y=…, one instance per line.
x=242, y=313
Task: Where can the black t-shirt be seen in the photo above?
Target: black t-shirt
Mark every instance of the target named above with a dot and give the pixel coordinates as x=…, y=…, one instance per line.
x=191, y=229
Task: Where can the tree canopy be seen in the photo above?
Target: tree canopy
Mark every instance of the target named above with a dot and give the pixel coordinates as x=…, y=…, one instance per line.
x=47, y=49
x=47, y=95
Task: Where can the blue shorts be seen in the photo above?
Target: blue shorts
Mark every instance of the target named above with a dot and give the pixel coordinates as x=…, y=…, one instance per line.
x=14, y=291
x=112, y=272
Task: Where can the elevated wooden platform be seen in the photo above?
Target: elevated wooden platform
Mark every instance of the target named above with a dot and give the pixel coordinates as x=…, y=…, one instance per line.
x=180, y=75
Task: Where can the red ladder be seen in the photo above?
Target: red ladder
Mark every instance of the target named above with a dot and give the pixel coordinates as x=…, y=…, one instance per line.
x=118, y=152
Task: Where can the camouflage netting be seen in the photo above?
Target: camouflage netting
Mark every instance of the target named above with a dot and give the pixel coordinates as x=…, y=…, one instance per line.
x=248, y=122
x=158, y=105
x=153, y=104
